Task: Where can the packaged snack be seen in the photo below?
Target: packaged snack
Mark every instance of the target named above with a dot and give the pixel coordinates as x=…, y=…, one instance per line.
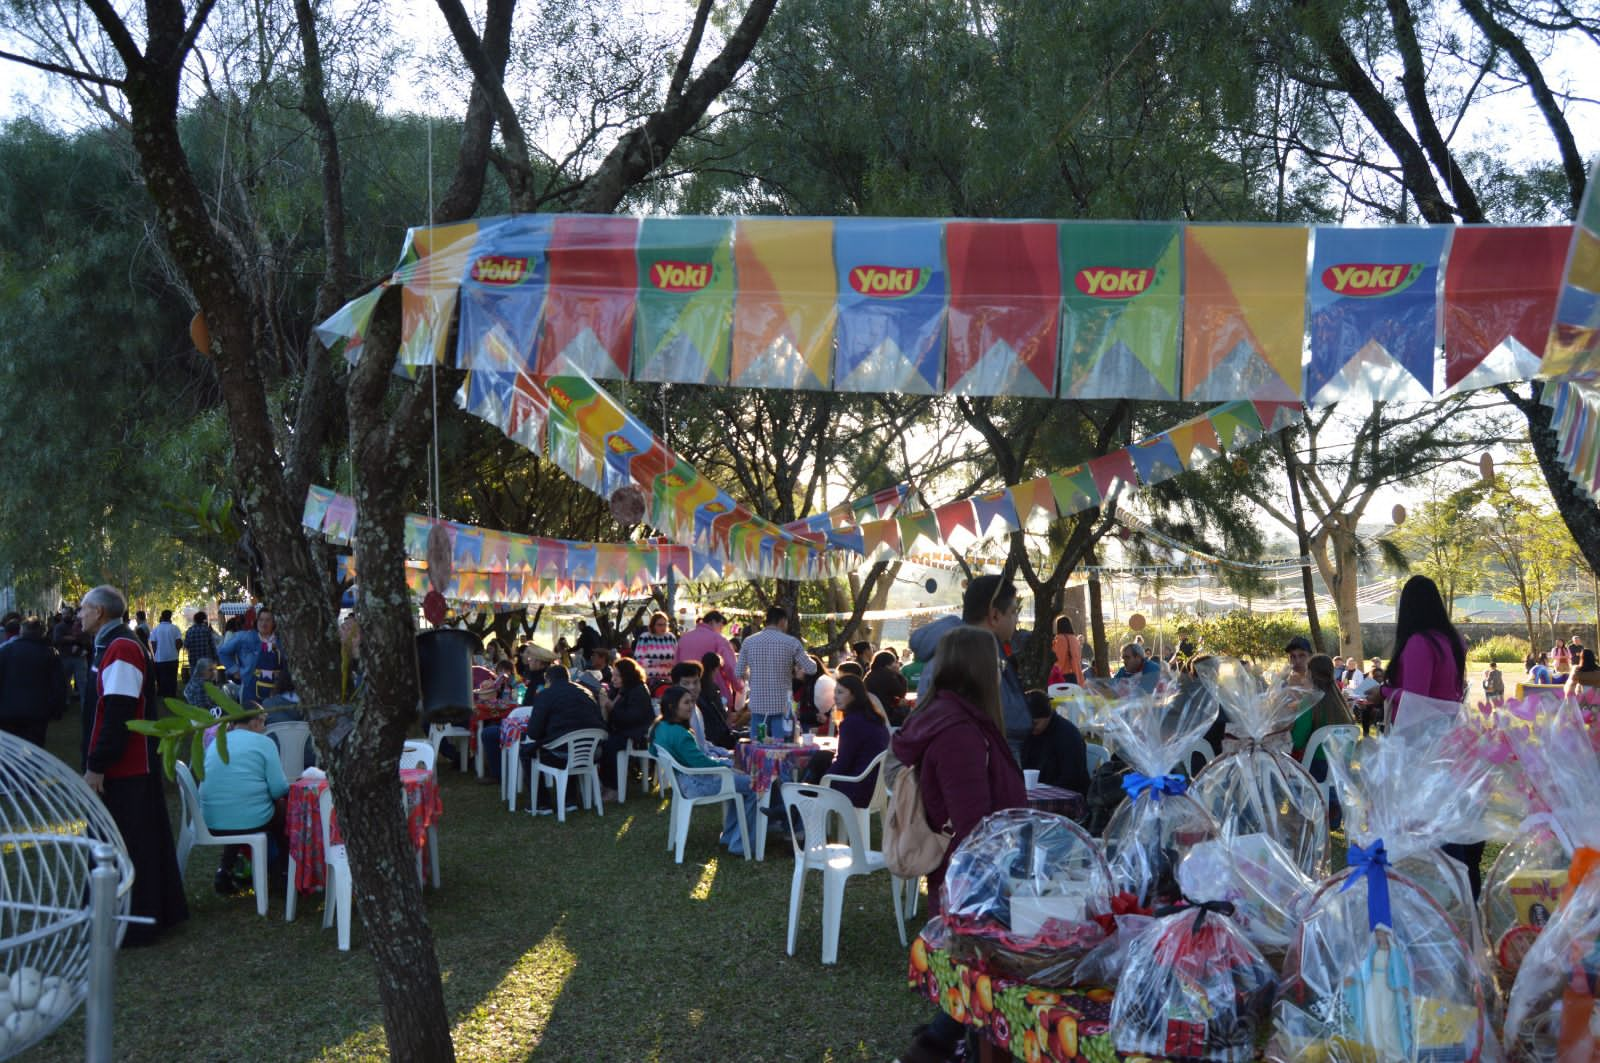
x=1149, y=833
x=1027, y=895
x=1194, y=987
x=1258, y=787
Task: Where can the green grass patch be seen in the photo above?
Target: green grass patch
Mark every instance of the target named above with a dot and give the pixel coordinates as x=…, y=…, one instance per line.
x=572, y=941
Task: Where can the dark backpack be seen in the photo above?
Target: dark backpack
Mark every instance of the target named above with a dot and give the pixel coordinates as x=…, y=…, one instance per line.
x=1104, y=796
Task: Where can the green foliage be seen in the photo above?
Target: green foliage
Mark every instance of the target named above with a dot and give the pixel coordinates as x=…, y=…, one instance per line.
x=1507, y=649
x=1239, y=633
x=1443, y=538
x=187, y=725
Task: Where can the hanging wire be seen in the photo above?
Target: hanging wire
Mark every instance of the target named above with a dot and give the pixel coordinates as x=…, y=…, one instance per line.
x=433, y=374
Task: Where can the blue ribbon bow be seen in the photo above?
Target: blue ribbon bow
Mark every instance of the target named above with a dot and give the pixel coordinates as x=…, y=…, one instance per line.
x=1134, y=784
x=1372, y=863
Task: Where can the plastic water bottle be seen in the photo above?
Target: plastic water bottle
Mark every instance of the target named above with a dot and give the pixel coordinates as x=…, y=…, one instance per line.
x=761, y=728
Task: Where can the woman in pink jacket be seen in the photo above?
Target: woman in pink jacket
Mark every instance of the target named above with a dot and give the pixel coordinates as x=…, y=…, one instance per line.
x=1430, y=659
x=956, y=740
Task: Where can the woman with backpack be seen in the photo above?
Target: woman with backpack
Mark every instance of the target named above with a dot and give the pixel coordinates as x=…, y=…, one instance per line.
x=955, y=744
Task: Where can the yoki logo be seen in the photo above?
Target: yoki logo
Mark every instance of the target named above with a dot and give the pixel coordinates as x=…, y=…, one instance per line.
x=619, y=445
x=1367, y=280
x=1540, y=890
x=1114, y=282
x=499, y=269
x=680, y=276
x=559, y=397
x=888, y=282
x=673, y=480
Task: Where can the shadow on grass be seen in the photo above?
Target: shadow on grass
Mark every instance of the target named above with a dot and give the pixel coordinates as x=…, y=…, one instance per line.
x=572, y=941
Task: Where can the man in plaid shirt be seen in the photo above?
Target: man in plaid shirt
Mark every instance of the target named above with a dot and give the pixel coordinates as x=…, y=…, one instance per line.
x=200, y=642
x=769, y=661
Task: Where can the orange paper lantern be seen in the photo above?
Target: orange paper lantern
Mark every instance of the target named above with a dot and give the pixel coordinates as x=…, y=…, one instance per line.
x=1136, y=622
x=1399, y=515
x=199, y=335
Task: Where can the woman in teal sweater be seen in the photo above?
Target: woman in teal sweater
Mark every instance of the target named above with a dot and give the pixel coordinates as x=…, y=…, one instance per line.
x=244, y=795
x=673, y=736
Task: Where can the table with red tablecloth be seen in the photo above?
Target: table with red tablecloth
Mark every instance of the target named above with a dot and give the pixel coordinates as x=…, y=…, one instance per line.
x=1029, y=1022
x=769, y=762
x=488, y=710
x=423, y=809
x=1054, y=799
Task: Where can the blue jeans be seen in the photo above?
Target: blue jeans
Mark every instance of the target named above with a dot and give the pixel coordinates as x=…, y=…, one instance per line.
x=705, y=786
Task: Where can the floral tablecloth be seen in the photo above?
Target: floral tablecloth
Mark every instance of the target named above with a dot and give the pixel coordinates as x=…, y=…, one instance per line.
x=512, y=728
x=1032, y=1024
x=766, y=762
x=488, y=710
x=423, y=809
x=1055, y=799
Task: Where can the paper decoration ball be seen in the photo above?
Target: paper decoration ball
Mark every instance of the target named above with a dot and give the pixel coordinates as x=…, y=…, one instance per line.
x=1399, y=515
x=627, y=505
x=441, y=556
x=1486, y=467
x=1136, y=622
x=433, y=607
x=931, y=586
x=199, y=334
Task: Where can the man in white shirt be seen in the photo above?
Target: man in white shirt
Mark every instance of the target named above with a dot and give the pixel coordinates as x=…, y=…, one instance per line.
x=165, y=639
x=769, y=661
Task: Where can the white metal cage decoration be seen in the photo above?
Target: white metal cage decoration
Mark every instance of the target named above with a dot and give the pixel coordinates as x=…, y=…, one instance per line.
x=64, y=897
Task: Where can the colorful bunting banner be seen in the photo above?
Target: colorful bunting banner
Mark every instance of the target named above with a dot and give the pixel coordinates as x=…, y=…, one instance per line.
x=892, y=289
x=784, y=312
x=685, y=313
x=1500, y=291
x=1005, y=307
x=1245, y=309
x=1123, y=287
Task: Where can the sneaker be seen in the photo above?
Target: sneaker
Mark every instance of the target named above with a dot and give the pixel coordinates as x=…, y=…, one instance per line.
x=225, y=884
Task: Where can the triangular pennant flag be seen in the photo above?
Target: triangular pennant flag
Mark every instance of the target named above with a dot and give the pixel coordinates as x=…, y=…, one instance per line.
x=1237, y=424
x=1192, y=436
x=916, y=526
x=995, y=507
x=1156, y=459
x=1110, y=469
x=1034, y=496
x=1074, y=490
x=881, y=534
x=956, y=515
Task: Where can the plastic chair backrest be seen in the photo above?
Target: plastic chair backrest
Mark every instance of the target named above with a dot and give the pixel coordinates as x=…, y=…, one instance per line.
x=416, y=754
x=814, y=803
x=325, y=813
x=1336, y=740
x=581, y=747
x=191, y=803
x=291, y=737
x=1096, y=755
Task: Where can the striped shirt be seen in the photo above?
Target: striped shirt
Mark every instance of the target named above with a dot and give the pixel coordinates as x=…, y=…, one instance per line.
x=767, y=663
x=656, y=655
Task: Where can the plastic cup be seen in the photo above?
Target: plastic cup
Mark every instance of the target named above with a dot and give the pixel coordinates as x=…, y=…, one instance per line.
x=1030, y=776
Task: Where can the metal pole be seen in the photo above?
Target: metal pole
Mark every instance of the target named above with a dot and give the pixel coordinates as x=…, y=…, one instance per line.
x=102, y=954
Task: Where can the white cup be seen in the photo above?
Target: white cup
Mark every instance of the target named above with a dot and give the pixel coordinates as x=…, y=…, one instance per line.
x=1030, y=776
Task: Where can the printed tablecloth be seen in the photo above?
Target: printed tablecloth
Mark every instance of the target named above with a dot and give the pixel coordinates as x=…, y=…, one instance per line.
x=512, y=729
x=766, y=762
x=488, y=710
x=1032, y=1024
x=1055, y=799
x=423, y=809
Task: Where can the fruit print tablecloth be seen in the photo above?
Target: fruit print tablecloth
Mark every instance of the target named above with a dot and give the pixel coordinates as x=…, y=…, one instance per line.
x=1033, y=1024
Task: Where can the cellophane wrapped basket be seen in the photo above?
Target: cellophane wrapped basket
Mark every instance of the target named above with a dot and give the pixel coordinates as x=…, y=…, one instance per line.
x=1258, y=787
x=1267, y=889
x=1194, y=987
x=1552, y=1014
x=1150, y=832
x=1027, y=895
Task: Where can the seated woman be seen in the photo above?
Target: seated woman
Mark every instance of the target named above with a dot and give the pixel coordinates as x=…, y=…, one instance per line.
x=629, y=719
x=672, y=736
x=862, y=736
x=713, y=710
x=243, y=796
x=885, y=683
x=1585, y=674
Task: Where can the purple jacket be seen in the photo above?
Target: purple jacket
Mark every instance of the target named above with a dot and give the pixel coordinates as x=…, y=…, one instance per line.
x=862, y=736
x=966, y=770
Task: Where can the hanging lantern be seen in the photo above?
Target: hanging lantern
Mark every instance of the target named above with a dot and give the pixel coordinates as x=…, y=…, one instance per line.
x=1399, y=515
x=199, y=335
x=627, y=505
x=931, y=586
x=433, y=607
x=1137, y=622
x=440, y=559
x=1486, y=467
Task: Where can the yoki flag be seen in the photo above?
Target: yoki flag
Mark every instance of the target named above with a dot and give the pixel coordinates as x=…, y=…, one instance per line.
x=318, y=499
x=502, y=297
x=1374, y=313
x=892, y=289
x=1156, y=459
x=432, y=265
x=1574, y=346
x=1500, y=290
x=1122, y=287
x=1110, y=470
x=1245, y=314
x=588, y=318
x=1005, y=308
x=1195, y=440
x=1075, y=490
x=996, y=507
x=685, y=315
x=784, y=312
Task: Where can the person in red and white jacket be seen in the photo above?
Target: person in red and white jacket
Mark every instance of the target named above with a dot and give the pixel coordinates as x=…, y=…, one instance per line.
x=123, y=768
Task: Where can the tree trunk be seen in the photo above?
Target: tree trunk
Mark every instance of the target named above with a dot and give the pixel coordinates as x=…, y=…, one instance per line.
x=1341, y=572
x=1580, y=514
x=1097, y=627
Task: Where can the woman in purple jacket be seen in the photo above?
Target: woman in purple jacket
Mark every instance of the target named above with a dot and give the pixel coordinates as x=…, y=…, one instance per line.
x=956, y=740
x=1430, y=659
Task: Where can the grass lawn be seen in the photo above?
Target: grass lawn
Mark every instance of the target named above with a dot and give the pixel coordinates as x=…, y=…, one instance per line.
x=575, y=941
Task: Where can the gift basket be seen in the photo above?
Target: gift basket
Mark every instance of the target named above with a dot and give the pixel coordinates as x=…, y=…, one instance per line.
x=1260, y=879
x=1379, y=969
x=1159, y=822
x=1258, y=787
x=1194, y=987
x=1027, y=895
x=1552, y=1013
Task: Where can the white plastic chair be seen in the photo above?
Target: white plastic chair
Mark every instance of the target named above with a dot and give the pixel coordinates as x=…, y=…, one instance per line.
x=1334, y=741
x=438, y=732
x=417, y=754
x=581, y=747
x=683, y=804
x=336, y=876
x=1200, y=746
x=433, y=846
x=879, y=802
x=647, y=761
x=291, y=737
x=511, y=764
x=815, y=805
x=1096, y=756
x=192, y=832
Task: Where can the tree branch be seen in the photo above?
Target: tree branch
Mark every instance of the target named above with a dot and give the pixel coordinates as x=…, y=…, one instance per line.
x=686, y=60
x=64, y=71
x=487, y=74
